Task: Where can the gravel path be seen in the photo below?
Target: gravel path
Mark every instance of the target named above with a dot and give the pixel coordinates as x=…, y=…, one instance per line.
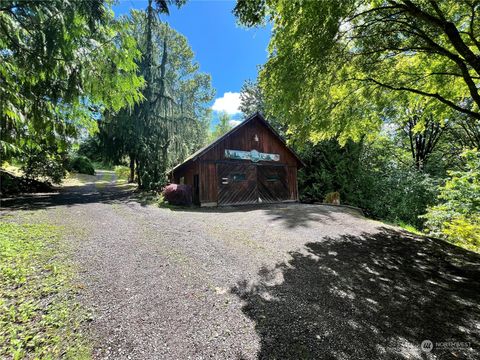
x=280, y=281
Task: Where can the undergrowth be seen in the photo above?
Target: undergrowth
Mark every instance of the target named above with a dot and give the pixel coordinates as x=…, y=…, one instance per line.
x=39, y=317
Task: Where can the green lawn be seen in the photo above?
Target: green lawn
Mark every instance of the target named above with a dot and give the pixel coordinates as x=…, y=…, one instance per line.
x=39, y=317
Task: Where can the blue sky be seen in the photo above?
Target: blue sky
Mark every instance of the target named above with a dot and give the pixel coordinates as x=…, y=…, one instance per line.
x=228, y=52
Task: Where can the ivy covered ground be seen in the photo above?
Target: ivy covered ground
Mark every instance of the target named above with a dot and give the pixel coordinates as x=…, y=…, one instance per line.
x=39, y=316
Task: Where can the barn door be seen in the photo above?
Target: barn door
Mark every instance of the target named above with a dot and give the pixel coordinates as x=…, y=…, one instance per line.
x=272, y=183
x=237, y=184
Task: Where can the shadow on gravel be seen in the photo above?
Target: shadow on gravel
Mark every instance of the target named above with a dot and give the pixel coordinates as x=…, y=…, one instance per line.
x=371, y=297
x=292, y=215
x=302, y=215
x=69, y=196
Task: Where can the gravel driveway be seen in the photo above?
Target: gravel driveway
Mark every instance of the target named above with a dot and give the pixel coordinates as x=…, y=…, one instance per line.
x=279, y=281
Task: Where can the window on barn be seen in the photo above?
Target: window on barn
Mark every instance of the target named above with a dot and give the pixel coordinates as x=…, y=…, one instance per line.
x=239, y=177
x=182, y=180
x=272, y=178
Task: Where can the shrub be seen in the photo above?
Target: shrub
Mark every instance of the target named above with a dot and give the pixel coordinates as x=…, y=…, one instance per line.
x=12, y=185
x=39, y=316
x=396, y=193
x=329, y=168
x=160, y=200
x=177, y=194
x=39, y=163
x=82, y=165
x=457, y=218
x=122, y=172
x=368, y=176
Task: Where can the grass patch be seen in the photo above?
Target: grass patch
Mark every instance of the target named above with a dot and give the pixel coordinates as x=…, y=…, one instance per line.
x=149, y=198
x=39, y=317
x=122, y=172
x=409, y=228
x=76, y=179
x=12, y=168
x=103, y=166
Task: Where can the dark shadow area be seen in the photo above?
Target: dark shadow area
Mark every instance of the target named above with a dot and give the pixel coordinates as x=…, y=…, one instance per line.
x=68, y=196
x=371, y=297
x=291, y=214
x=302, y=215
x=230, y=208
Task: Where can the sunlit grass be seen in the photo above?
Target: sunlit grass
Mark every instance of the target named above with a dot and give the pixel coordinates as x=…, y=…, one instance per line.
x=409, y=228
x=107, y=178
x=39, y=317
x=13, y=169
x=76, y=179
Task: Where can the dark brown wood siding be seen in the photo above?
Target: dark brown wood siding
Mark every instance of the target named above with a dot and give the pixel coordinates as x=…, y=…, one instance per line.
x=187, y=173
x=254, y=135
x=244, y=139
x=237, y=183
x=208, y=181
x=292, y=182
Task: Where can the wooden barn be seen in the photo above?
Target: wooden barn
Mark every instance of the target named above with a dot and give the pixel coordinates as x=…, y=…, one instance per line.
x=250, y=164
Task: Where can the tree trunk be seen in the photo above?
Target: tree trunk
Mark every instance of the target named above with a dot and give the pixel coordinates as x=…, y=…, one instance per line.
x=149, y=60
x=131, y=178
x=139, y=180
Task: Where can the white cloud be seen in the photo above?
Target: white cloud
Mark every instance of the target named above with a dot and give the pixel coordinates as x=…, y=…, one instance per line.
x=234, y=122
x=229, y=102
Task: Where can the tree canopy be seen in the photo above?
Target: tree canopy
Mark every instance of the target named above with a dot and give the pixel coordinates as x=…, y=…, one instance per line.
x=338, y=68
x=161, y=132
x=222, y=127
x=62, y=63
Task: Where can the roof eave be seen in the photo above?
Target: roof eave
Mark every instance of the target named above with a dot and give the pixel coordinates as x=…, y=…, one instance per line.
x=257, y=114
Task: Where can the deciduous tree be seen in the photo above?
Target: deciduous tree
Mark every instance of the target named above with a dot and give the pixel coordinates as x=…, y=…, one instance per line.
x=336, y=67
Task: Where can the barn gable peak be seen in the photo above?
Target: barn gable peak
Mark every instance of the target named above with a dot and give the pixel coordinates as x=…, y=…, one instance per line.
x=256, y=116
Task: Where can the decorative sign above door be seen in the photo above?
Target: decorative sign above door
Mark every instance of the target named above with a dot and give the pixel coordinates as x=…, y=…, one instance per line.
x=252, y=155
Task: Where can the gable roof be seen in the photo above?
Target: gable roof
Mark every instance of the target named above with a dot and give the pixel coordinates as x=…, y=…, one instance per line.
x=256, y=115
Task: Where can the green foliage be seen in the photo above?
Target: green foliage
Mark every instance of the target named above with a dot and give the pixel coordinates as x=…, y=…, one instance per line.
x=338, y=68
x=160, y=201
x=372, y=176
x=160, y=118
x=42, y=162
x=457, y=216
x=122, y=172
x=393, y=191
x=61, y=64
x=39, y=318
x=251, y=99
x=329, y=168
x=82, y=165
x=222, y=127
x=408, y=227
x=172, y=122
x=100, y=147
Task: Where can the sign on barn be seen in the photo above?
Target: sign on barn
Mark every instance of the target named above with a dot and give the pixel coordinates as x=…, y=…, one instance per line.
x=252, y=155
x=249, y=164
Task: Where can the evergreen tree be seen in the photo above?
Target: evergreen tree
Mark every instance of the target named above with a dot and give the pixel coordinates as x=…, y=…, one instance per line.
x=251, y=99
x=222, y=127
x=54, y=56
x=158, y=134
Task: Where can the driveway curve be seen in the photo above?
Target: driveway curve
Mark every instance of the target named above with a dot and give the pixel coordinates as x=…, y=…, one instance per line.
x=270, y=282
